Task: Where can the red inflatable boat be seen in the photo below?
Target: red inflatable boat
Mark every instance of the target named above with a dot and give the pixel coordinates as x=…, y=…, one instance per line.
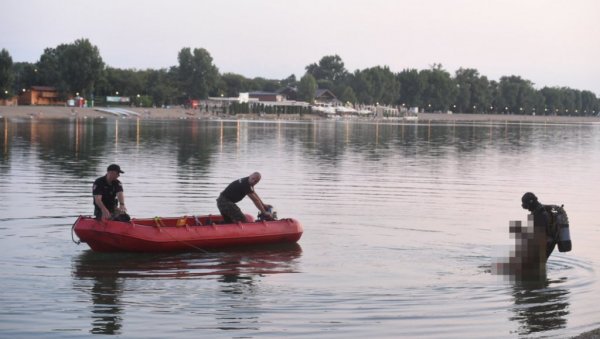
x=182, y=234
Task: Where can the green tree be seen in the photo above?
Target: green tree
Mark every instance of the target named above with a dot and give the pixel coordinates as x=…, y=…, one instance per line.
x=463, y=95
x=234, y=84
x=514, y=95
x=75, y=67
x=412, y=85
x=553, y=100
x=122, y=82
x=25, y=75
x=307, y=88
x=570, y=101
x=330, y=68
x=326, y=84
x=81, y=66
x=473, y=92
x=262, y=84
x=289, y=81
x=530, y=101
x=481, y=95
x=348, y=95
x=6, y=74
x=376, y=85
x=440, y=90
x=161, y=86
x=589, y=102
x=145, y=87
x=197, y=74
x=49, y=69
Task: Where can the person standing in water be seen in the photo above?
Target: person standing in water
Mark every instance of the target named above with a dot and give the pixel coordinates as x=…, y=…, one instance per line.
x=541, y=224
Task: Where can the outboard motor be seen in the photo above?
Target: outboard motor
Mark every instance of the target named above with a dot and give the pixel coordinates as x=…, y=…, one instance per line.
x=271, y=211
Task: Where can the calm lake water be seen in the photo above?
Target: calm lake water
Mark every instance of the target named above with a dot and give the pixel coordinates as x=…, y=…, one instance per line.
x=402, y=224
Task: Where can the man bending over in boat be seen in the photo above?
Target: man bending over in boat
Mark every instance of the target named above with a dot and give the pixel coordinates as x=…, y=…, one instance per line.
x=234, y=193
x=107, y=190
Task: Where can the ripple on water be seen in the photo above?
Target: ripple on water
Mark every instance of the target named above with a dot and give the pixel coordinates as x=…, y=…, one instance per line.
x=398, y=221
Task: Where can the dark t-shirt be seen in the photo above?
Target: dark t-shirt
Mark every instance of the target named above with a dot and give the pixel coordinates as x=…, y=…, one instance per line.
x=237, y=190
x=108, y=193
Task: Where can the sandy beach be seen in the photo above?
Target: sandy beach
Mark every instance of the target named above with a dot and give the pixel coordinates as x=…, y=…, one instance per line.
x=59, y=112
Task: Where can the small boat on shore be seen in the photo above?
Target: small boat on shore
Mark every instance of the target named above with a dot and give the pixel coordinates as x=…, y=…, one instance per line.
x=188, y=233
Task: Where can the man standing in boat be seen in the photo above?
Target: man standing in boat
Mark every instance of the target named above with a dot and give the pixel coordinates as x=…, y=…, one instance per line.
x=107, y=190
x=234, y=193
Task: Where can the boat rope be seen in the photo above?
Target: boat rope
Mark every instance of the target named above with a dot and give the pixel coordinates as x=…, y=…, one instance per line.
x=159, y=223
x=186, y=243
x=163, y=228
x=73, y=231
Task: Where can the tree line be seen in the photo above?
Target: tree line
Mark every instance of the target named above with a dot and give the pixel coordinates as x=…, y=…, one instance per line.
x=78, y=69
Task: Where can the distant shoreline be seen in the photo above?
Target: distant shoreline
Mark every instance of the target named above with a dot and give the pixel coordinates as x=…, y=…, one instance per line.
x=61, y=112
x=424, y=117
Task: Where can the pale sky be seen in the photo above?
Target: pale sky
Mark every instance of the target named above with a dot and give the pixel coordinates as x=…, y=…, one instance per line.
x=550, y=42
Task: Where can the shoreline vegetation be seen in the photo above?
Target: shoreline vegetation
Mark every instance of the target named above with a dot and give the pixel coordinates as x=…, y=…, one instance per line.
x=74, y=74
x=60, y=112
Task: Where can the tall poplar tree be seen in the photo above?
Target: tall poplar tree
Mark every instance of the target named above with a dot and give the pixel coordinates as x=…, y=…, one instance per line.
x=197, y=74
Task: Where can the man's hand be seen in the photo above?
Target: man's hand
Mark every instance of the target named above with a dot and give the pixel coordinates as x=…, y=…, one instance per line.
x=106, y=215
x=266, y=216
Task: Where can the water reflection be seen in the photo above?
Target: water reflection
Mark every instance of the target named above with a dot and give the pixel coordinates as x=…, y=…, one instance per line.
x=73, y=147
x=106, y=291
x=539, y=306
x=90, y=141
x=5, y=141
x=236, y=272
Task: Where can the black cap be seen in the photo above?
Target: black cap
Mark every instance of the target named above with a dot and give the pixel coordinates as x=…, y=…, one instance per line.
x=114, y=167
x=527, y=200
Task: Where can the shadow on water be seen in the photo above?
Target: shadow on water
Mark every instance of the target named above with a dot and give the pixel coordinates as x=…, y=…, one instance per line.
x=235, y=271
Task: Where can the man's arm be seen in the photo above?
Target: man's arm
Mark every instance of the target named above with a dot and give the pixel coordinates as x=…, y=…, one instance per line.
x=121, y=198
x=99, y=203
x=257, y=202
